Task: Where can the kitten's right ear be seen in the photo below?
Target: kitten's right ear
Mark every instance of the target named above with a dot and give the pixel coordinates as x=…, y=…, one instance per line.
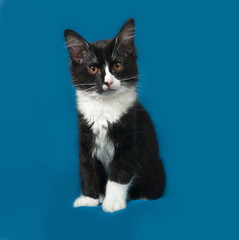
x=78, y=47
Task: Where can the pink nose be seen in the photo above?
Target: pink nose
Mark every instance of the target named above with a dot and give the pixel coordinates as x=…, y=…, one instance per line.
x=108, y=83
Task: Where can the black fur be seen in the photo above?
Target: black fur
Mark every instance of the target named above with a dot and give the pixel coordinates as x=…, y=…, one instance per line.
x=136, y=149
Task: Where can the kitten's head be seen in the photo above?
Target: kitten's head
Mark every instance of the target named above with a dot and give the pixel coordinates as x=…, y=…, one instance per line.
x=104, y=67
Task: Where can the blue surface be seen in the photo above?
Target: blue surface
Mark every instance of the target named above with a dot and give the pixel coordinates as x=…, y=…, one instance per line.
x=188, y=61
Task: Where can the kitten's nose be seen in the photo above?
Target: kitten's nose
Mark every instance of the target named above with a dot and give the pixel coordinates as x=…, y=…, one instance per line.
x=108, y=83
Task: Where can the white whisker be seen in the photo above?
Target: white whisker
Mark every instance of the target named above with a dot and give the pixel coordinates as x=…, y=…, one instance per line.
x=85, y=84
x=127, y=79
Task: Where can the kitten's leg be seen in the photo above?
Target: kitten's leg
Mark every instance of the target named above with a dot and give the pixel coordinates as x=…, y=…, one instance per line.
x=92, y=180
x=123, y=166
x=122, y=170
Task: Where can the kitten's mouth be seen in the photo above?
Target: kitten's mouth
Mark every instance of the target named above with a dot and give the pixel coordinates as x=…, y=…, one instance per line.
x=107, y=89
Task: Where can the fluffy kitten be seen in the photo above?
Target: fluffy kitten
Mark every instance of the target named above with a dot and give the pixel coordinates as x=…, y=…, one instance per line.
x=119, y=155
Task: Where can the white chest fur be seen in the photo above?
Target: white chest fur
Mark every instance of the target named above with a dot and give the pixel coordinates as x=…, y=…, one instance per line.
x=99, y=111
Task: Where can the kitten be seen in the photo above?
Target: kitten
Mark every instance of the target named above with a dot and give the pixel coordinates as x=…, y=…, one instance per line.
x=119, y=157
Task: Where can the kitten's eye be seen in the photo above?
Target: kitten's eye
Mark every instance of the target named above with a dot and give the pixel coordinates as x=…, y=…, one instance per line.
x=93, y=69
x=117, y=66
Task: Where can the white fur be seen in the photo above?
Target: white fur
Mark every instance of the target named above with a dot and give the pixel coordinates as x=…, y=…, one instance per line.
x=101, y=109
x=86, y=201
x=104, y=87
x=108, y=76
x=115, y=198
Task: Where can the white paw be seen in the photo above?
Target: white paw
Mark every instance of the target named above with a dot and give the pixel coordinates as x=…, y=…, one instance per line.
x=113, y=205
x=86, y=201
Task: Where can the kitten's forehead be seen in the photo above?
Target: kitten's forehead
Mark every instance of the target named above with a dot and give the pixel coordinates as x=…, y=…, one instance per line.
x=103, y=43
x=103, y=49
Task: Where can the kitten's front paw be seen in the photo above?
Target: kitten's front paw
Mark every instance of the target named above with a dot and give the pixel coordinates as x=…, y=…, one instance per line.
x=113, y=205
x=86, y=201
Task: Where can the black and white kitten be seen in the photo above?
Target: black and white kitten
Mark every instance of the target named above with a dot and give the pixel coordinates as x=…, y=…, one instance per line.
x=119, y=155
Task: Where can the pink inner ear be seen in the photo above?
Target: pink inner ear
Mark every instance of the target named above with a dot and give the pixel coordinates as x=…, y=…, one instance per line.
x=77, y=54
x=76, y=58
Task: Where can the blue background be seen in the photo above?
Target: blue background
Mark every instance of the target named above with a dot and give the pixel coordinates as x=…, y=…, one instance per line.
x=188, y=61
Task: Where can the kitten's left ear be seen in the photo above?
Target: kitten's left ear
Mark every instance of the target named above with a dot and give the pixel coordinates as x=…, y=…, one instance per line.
x=125, y=38
x=78, y=47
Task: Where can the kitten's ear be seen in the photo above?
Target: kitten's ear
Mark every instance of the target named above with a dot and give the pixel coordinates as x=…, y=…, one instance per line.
x=125, y=39
x=78, y=47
